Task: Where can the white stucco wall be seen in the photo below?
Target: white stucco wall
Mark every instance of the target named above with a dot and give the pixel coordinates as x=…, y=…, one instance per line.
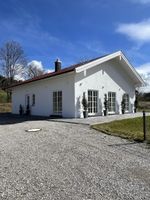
x=107, y=77
x=43, y=91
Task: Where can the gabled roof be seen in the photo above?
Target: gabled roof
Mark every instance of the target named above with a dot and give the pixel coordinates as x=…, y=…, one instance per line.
x=129, y=69
x=88, y=64
x=52, y=74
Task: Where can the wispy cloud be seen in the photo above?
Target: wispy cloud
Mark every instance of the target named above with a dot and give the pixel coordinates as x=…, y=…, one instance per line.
x=141, y=1
x=29, y=32
x=144, y=71
x=40, y=42
x=136, y=55
x=94, y=46
x=138, y=32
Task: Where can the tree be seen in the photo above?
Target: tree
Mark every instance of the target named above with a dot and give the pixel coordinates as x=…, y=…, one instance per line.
x=85, y=106
x=123, y=104
x=2, y=82
x=136, y=102
x=35, y=68
x=12, y=60
x=105, y=104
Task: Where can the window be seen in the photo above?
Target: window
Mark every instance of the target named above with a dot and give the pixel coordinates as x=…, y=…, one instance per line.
x=111, y=101
x=33, y=99
x=57, y=102
x=92, y=101
x=126, y=98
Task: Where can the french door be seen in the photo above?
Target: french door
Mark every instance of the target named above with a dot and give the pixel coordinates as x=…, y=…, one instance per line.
x=92, y=101
x=111, y=102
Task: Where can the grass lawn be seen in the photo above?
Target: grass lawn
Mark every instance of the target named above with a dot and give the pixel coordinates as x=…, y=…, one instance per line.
x=5, y=107
x=128, y=128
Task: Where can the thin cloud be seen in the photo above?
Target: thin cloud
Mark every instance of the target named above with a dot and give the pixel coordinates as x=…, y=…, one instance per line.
x=29, y=33
x=145, y=68
x=141, y=1
x=138, y=32
x=144, y=71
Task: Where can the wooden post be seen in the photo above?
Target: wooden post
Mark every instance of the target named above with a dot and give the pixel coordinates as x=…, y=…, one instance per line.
x=144, y=125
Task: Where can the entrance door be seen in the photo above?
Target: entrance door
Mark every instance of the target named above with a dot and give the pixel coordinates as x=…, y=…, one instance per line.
x=92, y=102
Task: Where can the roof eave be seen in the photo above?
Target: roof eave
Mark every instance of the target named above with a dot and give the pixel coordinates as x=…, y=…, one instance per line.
x=97, y=62
x=119, y=54
x=35, y=80
x=140, y=81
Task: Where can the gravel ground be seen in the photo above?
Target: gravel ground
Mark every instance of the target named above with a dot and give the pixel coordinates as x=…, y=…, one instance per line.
x=70, y=162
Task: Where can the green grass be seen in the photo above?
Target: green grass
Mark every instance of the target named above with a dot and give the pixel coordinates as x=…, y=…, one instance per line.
x=3, y=96
x=128, y=128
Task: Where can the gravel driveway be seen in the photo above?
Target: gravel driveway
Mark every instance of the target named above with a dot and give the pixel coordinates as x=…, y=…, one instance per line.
x=71, y=162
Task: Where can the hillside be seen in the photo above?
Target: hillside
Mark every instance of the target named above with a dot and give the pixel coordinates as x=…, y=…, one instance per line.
x=4, y=106
x=3, y=96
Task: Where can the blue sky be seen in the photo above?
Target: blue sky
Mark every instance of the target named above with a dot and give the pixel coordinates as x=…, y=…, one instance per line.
x=75, y=30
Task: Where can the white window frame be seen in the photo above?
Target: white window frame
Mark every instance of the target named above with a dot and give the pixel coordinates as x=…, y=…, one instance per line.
x=92, y=101
x=57, y=102
x=112, y=102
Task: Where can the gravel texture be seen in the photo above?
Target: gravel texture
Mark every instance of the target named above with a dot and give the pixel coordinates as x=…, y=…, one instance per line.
x=70, y=162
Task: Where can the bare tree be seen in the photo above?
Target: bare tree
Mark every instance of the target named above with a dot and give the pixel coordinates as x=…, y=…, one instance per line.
x=35, y=68
x=12, y=60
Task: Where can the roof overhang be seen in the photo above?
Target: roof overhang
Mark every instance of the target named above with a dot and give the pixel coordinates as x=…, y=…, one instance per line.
x=51, y=75
x=122, y=59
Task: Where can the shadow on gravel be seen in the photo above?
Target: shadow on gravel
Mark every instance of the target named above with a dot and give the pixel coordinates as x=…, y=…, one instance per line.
x=8, y=118
x=122, y=144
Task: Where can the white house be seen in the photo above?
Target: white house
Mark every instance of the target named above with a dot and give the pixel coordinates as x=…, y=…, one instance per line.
x=61, y=92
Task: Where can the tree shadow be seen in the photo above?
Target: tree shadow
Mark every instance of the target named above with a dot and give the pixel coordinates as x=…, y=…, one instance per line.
x=100, y=107
x=122, y=144
x=78, y=106
x=8, y=118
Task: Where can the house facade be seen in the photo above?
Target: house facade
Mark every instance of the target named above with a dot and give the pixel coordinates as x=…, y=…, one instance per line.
x=61, y=92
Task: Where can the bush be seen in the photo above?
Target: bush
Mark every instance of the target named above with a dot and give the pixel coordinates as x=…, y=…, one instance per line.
x=3, y=96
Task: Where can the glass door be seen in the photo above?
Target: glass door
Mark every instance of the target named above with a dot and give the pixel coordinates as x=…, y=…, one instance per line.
x=92, y=101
